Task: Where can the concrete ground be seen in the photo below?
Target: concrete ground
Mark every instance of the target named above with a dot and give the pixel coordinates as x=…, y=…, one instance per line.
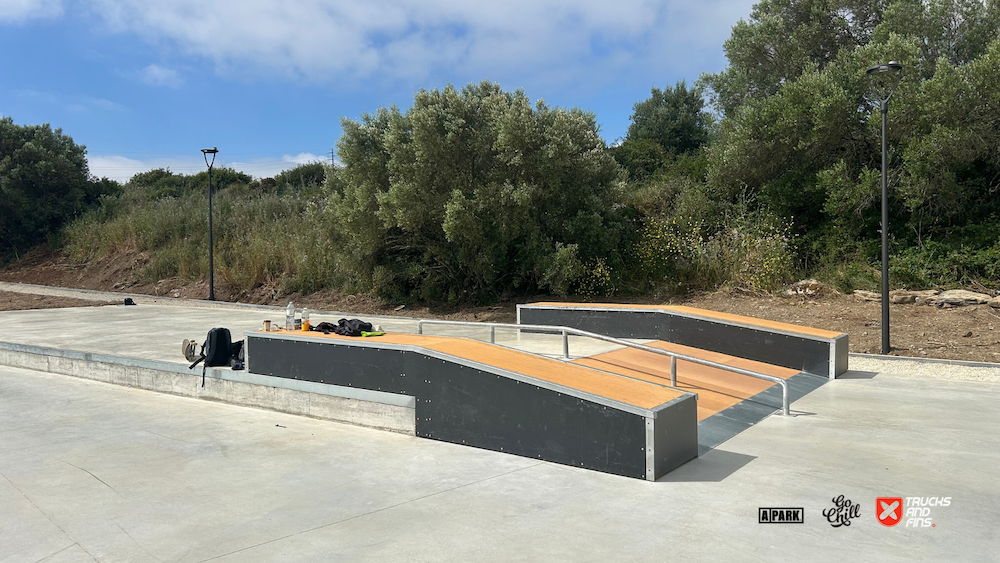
x=96, y=472
x=155, y=332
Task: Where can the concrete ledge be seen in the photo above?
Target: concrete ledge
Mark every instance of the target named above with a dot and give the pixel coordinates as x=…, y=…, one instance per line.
x=373, y=409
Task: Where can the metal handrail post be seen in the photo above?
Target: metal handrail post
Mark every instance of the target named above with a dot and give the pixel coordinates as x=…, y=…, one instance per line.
x=493, y=334
x=673, y=371
x=565, y=345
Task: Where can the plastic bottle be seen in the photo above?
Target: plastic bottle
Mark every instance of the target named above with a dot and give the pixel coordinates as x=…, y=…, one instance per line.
x=290, y=316
x=305, y=319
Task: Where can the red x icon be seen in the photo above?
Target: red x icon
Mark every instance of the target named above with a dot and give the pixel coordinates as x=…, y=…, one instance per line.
x=889, y=510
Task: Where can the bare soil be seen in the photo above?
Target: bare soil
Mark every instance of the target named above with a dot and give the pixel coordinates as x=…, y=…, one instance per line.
x=969, y=333
x=10, y=301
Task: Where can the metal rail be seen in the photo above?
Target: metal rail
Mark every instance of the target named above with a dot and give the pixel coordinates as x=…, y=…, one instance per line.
x=674, y=356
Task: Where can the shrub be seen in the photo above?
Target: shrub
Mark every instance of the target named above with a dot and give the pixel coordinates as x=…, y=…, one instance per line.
x=753, y=252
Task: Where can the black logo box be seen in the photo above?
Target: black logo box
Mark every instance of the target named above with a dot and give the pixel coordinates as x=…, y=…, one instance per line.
x=780, y=515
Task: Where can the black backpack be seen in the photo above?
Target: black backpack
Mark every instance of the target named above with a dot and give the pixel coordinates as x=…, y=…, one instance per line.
x=219, y=350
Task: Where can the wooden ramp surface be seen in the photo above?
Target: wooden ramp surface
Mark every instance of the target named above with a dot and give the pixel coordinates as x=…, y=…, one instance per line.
x=645, y=393
x=717, y=389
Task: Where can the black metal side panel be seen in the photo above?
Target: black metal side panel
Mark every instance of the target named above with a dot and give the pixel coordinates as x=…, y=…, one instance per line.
x=377, y=369
x=617, y=324
x=464, y=405
x=803, y=354
x=675, y=438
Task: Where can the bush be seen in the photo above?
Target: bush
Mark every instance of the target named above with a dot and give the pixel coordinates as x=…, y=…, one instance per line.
x=753, y=252
x=940, y=265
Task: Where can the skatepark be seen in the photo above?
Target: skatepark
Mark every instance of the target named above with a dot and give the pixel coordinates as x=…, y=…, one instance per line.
x=583, y=448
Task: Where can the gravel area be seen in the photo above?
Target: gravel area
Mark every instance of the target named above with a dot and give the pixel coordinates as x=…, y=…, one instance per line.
x=936, y=369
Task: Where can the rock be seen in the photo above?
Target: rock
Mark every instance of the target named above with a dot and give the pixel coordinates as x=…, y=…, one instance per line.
x=960, y=297
x=995, y=302
x=903, y=298
x=806, y=287
x=867, y=295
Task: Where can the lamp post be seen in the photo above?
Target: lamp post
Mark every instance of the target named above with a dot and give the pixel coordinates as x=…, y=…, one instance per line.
x=211, y=246
x=883, y=80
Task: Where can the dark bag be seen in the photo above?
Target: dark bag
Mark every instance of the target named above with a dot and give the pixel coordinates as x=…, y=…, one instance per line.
x=216, y=351
x=345, y=327
x=237, y=357
x=352, y=327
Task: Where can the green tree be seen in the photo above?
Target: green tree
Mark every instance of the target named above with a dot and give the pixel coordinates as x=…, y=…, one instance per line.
x=667, y=132
x=673, y=118
x=801, y=135
x=783, y=39
x=161, y=182
x=303, y=176
x=472, y=193
x=44, y=181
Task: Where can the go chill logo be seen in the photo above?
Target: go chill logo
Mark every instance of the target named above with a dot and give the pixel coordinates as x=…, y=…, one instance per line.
x=915, y=511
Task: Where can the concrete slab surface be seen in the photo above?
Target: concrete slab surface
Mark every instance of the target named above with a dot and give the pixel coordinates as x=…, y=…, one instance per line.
x=96, y=472
x=155, y=332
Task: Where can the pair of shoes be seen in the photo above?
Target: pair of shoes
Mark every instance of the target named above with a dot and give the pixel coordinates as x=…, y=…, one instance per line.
x=189, y=349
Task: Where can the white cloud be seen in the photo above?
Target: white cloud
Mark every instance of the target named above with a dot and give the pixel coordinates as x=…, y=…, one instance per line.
x=121, y=168
x=156, y=75
x=326, y=40
x=21, y=10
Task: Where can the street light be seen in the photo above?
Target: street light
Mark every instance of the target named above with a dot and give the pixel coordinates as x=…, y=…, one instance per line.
x=211, y=247
x=883, y=80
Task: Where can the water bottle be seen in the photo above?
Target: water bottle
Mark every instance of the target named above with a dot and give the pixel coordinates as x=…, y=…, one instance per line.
x=290, y=317
x=305, y=319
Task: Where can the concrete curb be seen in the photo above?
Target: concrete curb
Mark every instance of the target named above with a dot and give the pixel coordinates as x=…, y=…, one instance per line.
x=926, y=360
x=372, y=409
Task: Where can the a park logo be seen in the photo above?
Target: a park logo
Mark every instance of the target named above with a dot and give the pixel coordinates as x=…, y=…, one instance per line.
x=842, y=512
x=780, y=515
x=889, y=510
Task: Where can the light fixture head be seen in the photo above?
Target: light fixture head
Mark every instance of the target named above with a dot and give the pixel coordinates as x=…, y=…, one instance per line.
x=891, y=66
x=212, y=150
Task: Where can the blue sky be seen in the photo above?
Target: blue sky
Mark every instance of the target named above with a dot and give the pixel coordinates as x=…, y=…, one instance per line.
x=145, y=83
